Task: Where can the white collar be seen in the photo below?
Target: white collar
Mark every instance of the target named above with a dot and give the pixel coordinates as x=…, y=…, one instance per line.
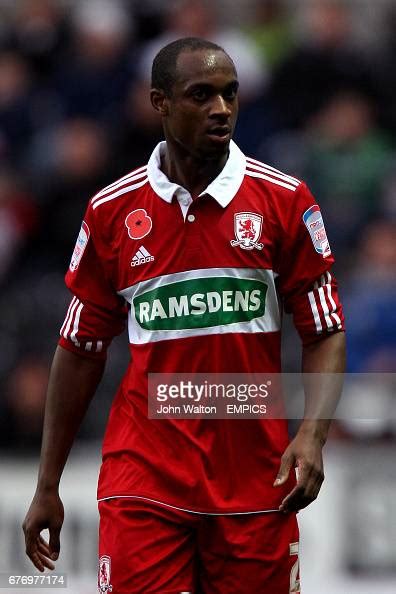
x=223, y=188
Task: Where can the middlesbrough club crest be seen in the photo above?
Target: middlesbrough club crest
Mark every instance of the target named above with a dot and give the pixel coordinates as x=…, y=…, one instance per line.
x=104, y=571
x=247, y=228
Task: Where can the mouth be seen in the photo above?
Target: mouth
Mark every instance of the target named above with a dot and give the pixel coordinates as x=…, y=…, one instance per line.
x=220, y=133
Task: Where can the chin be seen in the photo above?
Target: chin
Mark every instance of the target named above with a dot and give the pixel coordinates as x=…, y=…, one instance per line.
x=216, y=151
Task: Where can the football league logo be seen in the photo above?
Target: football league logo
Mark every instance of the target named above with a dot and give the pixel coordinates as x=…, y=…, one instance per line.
x=104, y=570
x=314, y=223
x=79, y=248
x=247, y=228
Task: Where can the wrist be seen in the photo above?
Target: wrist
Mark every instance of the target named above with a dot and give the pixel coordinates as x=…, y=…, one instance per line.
x=315, y=429
x=45, y=486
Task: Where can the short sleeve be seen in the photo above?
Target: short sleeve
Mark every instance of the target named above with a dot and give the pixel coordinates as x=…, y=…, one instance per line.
x=96, y=313
x=306, y=284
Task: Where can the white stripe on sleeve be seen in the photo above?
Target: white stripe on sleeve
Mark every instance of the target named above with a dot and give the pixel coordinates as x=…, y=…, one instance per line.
x=266, y=166
x=118, y=193
x=71, y=316
x=273, y=173
x=277, y=182
x=315, y=311
x=122, y=182
x=67, y=315
x=333, y=303
x=325, y=308
x=75, y=326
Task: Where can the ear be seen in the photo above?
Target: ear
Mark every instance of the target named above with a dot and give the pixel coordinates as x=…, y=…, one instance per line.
x=159, y=101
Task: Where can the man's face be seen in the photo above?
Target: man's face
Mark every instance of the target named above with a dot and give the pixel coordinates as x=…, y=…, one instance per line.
x=203, y=107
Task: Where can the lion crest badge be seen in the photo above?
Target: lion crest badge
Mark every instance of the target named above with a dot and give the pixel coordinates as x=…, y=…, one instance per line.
x=247, y=228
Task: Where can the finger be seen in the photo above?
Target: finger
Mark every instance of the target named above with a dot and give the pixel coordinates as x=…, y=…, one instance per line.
x=44, y=545
x=284, y=470
x=45, y=561
x=36, y=560
x=316, y=488
x=33, y=550
x=295, y=504
x=43, y=550
x=54, y=543
x=312, y=488
x=295, y=498
x=312, y=478
x=304, y=493
x=292, y=501
x=31, y=542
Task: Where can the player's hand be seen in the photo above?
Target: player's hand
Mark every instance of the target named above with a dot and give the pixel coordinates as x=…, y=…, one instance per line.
x=46, y=511
x=305, y=453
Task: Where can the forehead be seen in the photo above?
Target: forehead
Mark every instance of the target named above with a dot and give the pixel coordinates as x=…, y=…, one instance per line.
x=201, y=65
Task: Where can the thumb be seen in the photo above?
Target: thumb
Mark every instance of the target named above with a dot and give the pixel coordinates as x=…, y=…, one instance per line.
x=287, y=461
x=54, y=543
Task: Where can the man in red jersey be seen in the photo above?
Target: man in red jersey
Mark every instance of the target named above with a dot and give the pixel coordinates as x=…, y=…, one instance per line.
x=199, y=250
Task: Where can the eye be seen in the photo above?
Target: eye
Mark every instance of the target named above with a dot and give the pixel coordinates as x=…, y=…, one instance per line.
x=230, y=93
x=199, y=95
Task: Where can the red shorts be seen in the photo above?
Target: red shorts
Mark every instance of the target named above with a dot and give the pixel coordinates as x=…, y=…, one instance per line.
x=152, y=549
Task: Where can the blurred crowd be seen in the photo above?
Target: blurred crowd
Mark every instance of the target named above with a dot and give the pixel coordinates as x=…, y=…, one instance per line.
x=317, y=100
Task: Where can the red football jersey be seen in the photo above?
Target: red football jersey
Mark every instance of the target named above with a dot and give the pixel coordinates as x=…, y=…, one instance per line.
x=202, y=283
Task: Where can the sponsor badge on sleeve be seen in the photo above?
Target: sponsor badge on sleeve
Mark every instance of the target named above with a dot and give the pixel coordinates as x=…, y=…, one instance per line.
x=314, y=223
x=80, y=246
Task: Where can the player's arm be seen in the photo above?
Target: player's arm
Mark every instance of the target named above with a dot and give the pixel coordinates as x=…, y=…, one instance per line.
x=323, y=365
x=310, y=293
x=72, y=384
x=95, y=316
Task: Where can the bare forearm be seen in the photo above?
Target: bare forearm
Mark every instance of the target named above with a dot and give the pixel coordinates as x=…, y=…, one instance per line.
x=323, y=368
x=72, y=384
x=323, y=365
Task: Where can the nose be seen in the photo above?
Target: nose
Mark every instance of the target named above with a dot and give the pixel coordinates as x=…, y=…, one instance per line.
x=220, y=107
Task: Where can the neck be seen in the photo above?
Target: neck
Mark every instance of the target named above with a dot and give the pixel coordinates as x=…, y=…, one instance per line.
x=189, y=171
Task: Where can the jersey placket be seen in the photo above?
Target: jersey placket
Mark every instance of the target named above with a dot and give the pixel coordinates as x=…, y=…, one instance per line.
x=191, y=233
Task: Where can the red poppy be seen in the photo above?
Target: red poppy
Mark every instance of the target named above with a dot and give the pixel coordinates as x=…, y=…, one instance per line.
x=138, y=223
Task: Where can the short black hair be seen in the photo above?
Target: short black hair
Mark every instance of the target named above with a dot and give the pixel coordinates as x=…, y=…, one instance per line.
x=163, y=74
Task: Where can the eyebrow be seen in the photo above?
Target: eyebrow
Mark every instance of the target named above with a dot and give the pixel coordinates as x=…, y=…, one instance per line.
x=234, y=84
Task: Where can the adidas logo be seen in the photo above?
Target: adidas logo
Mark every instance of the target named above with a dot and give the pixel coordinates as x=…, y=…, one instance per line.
x=142, y=256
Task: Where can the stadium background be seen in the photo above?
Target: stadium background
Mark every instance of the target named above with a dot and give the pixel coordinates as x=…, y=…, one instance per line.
x=319, y=101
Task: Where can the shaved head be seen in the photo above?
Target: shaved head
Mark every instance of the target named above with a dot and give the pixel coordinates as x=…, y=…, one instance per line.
x=164, y=71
